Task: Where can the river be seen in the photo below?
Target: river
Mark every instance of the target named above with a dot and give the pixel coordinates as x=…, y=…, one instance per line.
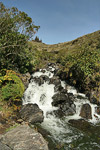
x=62, y=132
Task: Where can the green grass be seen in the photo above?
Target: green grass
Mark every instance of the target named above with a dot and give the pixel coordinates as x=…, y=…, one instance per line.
x=79, y=59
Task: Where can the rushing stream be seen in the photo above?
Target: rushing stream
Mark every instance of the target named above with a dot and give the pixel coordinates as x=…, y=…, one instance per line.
x=69, y=137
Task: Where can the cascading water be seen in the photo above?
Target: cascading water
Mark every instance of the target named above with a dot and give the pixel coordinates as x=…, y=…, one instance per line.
x=41, y=93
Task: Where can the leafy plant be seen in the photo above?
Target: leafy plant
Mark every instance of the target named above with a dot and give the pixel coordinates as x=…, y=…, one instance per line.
x=16, y=28
x=12, y=87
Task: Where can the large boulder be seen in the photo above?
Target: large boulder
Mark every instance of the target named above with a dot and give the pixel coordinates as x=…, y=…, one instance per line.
x=38, y=80
x=68, y=109
x=93, y=96
x=31, y=113
x=81, y=124
x=64, y=101
x=4, y=146
x=56, y=81
x=59, y=98
x=86, y=111
x=65, y=110
x=63, y=97
x=23, y=138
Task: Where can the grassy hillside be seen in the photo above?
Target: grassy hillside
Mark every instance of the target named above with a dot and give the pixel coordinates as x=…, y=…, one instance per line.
x=90, y=39
x=62, y=51
x=79, y=59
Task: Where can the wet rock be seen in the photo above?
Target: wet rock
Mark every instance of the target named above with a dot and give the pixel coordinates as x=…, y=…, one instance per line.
x=68, y=108
x=24, y=138
x=64, y=91
x=59, y=113
x=51, y=64
x=62, y=75
x=39, y=80
x=59, y=98
x=45, y=78
x=31, y=113
x=65, y=104
x=71, y=111
x=71, y=97
x=98, y=110
x=86, y=111
x=55, y=80
x=42, y=70
x=66, y=111
x=93, y=98
x=58, y=88
x=81, y=124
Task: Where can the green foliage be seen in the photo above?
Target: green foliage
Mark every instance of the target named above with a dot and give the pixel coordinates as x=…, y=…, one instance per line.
x=12, y=18
x=16, y=28
x=37, y=39
x=79, y=59
x=12, y=88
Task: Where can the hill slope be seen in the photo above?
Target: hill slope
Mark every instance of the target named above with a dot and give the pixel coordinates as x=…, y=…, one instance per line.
x=78, y=59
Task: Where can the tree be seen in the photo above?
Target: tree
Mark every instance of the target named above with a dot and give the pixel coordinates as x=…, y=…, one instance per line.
x=16, y=28
x=17, y=21
x=37, y=39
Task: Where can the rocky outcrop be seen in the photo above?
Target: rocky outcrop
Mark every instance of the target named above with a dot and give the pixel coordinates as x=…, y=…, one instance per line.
x=31, y=113
x=86, y=111
x=55, y=80
x=81, y=124
x=23, y=138
x=94, y=97
x=40, y=80
x=59, y=98
x=65, y=102
x=4, y=146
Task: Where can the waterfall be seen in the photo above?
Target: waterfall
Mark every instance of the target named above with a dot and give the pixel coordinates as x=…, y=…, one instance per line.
x=41, y=93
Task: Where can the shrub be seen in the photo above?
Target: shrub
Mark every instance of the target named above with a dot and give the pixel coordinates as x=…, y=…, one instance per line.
x=12, y=87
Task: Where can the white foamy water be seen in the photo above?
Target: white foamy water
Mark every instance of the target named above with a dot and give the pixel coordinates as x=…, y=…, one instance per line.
x=47, y=73
x=42, y=95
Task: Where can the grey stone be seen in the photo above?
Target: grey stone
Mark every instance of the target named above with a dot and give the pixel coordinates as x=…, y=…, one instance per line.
x=24, y=138
x=4, y=147
x=31, y=113
x=55, y=80
x=59, y=98
x=86, y=111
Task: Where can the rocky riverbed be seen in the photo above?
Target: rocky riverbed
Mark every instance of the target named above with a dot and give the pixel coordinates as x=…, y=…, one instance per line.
x=65, y=117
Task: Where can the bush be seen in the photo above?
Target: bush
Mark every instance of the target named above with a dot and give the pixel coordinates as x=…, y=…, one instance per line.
x=12, y=88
